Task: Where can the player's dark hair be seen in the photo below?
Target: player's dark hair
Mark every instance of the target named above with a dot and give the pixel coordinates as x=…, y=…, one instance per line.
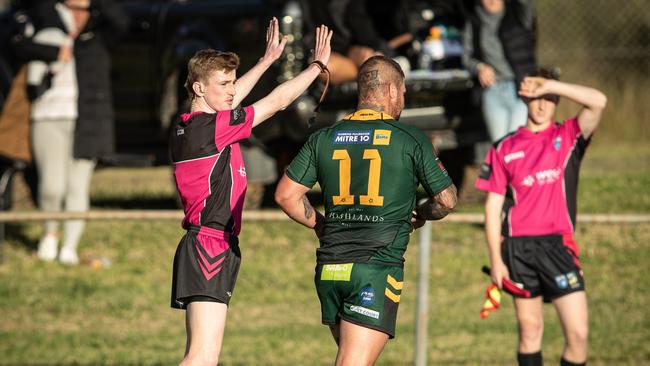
x=204, y=62
x=377, y=71
x=546, y=72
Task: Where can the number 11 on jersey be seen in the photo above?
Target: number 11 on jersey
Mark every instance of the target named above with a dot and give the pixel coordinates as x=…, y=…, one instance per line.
x=345, y=171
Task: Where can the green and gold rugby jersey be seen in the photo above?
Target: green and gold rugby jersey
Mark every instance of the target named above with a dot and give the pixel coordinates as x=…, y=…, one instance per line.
x=368, y=166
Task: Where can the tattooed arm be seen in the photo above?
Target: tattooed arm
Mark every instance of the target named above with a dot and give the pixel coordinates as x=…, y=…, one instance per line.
x=292, y=198
x=438, y=206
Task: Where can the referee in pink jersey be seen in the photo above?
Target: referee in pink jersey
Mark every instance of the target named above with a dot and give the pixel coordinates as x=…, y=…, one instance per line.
x=211, y=180
x=531, y=179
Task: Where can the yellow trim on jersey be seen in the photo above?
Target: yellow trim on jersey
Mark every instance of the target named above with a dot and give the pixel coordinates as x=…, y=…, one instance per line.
x=397, y=285
x=367, y=115
x=389, y=294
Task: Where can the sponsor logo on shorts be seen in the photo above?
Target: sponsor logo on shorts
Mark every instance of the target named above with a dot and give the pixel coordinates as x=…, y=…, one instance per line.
x=573, y=279
x=336, y=272
x=514, y=156
x=363, y=311
x=381, y=137
x=352, y=137
x=229, y=293
x=180, y=131
x=561, y=281
x=367, y=296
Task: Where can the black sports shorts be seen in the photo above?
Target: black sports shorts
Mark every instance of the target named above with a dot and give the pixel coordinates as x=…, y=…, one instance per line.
x=205, y=268
x=546, y=265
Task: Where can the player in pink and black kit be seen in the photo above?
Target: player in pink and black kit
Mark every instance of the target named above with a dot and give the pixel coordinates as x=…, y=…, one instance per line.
x=211, y=180
x=537, y=168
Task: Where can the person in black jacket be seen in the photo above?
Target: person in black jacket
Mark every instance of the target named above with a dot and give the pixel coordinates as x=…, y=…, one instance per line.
x=499, y=48
x=72, y=114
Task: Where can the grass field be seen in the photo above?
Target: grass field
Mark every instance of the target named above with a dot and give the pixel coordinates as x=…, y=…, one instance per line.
x=120, y=314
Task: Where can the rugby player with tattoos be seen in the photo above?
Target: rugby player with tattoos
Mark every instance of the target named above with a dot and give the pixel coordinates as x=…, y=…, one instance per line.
x=369, y=167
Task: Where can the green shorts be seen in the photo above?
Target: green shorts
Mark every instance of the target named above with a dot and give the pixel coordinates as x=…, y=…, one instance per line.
x=360, y=293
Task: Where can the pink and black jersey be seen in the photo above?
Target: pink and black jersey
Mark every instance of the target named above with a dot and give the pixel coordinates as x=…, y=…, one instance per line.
x=540, y=170
x=209, y=169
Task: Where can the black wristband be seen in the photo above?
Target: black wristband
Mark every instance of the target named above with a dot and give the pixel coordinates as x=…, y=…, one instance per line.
x=320, y=65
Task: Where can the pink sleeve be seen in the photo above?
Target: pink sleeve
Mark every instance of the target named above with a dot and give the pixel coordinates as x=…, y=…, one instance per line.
x=233, y=125
x=492, y=177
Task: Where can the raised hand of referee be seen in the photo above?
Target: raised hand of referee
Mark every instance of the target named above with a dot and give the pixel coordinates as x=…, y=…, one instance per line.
x=274, y=44
x=322, y=49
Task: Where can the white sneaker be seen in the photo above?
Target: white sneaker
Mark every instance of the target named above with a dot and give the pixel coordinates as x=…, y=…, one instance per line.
x=47, y=248
x=68, y=256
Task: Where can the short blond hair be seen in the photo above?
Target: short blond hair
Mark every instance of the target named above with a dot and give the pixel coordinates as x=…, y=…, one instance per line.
x=204, y=62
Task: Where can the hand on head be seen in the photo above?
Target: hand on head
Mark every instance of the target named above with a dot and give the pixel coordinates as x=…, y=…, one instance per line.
x=533, y=87
x=274, y=45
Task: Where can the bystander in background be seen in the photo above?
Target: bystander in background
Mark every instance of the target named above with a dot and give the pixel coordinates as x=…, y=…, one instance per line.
x=68, y=79
x=499, y=44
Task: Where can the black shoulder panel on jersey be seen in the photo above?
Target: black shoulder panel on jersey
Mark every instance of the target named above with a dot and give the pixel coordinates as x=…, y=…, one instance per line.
x=194, y=138
x=498, y=142
x=486, y=171
x=237, y=116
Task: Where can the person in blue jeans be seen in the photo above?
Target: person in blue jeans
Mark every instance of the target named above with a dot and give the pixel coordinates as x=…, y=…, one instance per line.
x=499, y=48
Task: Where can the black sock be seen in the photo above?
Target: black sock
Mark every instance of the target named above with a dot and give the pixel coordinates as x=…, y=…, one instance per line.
x=564, y=362
x=530, y=359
